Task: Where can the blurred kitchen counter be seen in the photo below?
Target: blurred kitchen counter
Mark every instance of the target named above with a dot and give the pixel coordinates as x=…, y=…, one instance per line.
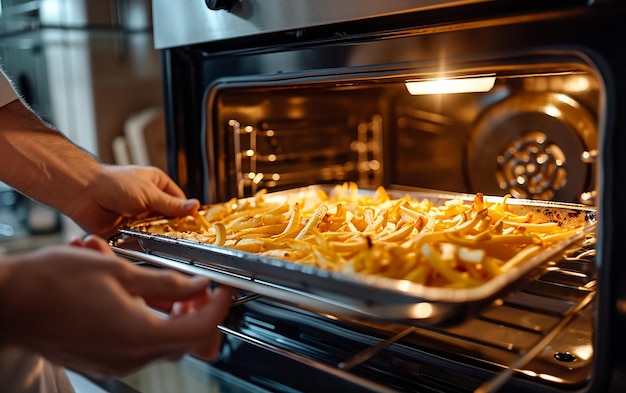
x=30, y=242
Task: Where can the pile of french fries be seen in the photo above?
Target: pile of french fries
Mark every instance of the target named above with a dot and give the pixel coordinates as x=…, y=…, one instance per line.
x=456, y=245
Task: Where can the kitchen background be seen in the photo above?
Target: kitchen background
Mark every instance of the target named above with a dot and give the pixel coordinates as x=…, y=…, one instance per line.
x=90, y=69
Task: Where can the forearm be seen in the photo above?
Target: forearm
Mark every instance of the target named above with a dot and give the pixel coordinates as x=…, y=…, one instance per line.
x=39, y=161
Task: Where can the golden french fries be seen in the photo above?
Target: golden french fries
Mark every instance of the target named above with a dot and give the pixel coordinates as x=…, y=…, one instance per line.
x=457, y=245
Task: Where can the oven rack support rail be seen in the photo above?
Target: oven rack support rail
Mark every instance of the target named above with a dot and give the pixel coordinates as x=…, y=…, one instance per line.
x=585, y=255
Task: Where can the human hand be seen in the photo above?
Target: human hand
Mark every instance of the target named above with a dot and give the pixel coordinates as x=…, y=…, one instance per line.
x=174, y=308
x=127, y=192
x=78, y=306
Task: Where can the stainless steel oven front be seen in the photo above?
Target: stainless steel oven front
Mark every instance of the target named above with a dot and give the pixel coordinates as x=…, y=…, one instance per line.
x=519, y=98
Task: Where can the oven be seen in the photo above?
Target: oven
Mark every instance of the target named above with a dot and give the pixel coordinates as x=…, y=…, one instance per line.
x=498, y=97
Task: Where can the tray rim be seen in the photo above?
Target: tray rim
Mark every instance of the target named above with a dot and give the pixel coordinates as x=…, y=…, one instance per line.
x=403, y=290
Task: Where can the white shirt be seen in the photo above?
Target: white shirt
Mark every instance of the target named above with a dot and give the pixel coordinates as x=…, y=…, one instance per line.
x=25, y=372
x=7, y=91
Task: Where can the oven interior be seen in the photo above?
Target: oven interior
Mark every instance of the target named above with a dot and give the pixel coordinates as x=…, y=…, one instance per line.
x=533, y=133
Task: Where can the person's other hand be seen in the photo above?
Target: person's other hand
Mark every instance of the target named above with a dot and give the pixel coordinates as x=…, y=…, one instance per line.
x=124, y=192
x=79, y=307
x=176, y=308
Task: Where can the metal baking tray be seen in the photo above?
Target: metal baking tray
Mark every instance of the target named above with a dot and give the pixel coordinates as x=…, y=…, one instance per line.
x=349, y=294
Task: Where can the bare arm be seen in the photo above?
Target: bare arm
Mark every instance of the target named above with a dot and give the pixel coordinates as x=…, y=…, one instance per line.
x=42, y=163
x=56, y=300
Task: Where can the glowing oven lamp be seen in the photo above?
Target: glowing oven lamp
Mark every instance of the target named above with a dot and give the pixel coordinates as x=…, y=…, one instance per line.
x=474, y=84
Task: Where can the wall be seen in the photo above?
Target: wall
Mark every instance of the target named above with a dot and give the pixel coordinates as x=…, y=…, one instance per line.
x=89, y=66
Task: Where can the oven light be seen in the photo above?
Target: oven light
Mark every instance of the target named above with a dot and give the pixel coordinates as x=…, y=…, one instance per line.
x=476, y=84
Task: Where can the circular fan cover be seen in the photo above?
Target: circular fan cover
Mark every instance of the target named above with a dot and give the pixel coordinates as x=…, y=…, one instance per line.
x=530, y=146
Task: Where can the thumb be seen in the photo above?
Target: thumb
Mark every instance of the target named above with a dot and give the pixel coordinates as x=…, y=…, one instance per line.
x=174, y=207
x=199, y=326
x=94, y=242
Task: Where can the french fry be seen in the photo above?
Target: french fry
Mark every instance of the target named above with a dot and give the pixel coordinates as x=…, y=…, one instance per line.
x=294, y=222
x=220, y=234
x=317, y=217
